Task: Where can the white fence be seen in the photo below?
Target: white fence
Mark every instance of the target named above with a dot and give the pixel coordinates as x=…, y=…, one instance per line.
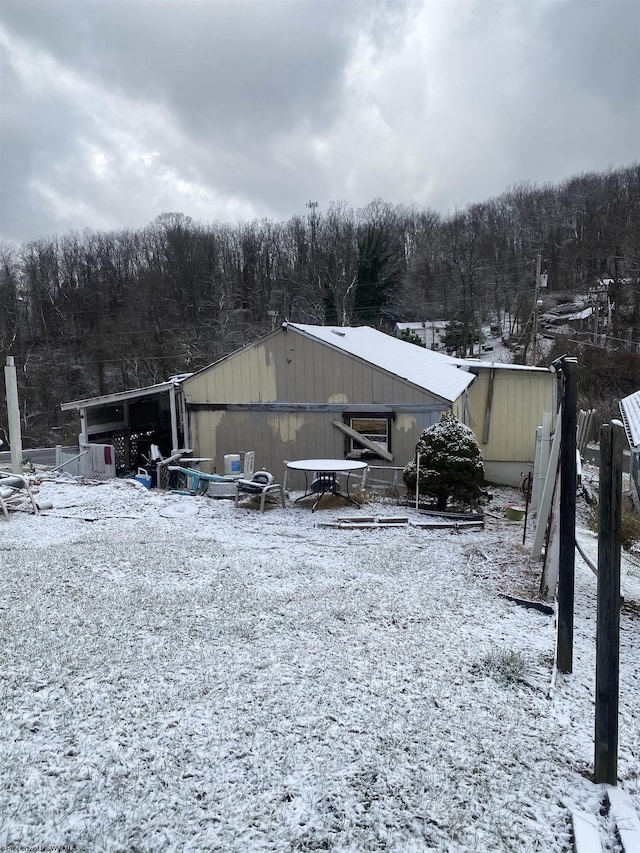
x=94, y=461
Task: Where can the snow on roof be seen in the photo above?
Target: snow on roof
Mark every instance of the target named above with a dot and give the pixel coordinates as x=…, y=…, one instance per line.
x=560, y=317
x=427, y=324
x=630, y=410
x=473, y=363
x=432, y=371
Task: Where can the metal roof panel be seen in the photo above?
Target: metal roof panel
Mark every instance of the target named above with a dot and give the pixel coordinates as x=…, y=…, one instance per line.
x=630, y=410
x=438, y=374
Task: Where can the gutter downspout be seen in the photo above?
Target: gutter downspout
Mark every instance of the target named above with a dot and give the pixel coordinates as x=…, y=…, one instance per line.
x=487, y=411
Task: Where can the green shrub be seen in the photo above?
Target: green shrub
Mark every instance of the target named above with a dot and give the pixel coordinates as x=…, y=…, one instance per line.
x=450, y=463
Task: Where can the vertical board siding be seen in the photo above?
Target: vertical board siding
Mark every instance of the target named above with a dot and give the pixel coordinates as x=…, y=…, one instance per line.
x=289, y=367
x=267, y=433
x=519, y=400
x=314, y=373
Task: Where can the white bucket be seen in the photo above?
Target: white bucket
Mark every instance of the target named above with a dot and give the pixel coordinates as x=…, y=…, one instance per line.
x=232, y=464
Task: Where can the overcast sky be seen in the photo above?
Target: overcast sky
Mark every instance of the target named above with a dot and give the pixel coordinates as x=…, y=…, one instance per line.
x=115, y=111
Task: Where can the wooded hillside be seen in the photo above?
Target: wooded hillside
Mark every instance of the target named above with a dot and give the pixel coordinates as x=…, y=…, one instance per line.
x=91, y=313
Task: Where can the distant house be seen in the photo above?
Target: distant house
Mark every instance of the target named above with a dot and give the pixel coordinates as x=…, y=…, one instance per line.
x=306, y=391
x=630, y=411
x=576, y=316
x=429, y=332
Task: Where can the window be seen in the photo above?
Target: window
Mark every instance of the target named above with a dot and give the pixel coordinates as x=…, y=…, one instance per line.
x=376, y=429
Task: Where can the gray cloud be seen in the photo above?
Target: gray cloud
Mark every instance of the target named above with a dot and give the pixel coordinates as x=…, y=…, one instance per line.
x=115, y=111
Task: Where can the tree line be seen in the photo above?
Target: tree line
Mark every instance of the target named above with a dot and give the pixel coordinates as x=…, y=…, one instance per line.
x=91, y=313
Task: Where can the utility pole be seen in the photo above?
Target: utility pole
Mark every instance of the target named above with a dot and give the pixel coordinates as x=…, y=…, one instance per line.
x=534, y=347
x=313, y=205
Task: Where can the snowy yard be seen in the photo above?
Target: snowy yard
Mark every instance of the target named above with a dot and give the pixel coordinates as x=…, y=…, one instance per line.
x=231, y=681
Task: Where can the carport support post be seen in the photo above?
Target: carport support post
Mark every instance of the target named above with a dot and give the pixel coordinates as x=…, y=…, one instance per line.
x=608, y=625
x=568, y=484
x=13, y=415
x=174, y=419
x=84, y=429
x=127, y=435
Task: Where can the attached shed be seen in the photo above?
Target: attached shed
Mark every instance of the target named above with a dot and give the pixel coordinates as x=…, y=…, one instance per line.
x=132, y=420
x=505, y=405
x=322, y=392
x=630, y=411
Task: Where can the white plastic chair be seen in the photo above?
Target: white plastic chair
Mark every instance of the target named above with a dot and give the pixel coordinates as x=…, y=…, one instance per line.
x=248, y=464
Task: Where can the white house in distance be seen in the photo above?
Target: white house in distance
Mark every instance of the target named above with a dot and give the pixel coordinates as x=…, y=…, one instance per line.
x=430, y=332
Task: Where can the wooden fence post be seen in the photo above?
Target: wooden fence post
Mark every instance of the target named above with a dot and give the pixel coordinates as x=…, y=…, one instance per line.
x=568, y=485
x=608, y=625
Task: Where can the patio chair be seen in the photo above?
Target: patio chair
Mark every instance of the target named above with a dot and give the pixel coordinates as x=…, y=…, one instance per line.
x=197, y=481
x=12, y=493
x=248, y=466
x=261, y=485
x=325, y=481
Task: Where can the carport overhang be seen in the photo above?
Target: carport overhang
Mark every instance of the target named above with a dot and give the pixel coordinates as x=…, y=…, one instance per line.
x=111, y=412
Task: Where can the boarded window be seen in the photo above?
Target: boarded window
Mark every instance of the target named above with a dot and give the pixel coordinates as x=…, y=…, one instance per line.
x=375, y=429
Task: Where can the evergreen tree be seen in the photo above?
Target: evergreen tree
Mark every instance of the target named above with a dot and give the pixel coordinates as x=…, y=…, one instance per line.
x=411, y=338
x=450, y=462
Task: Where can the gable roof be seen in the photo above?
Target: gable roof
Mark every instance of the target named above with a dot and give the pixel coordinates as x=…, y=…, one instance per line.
x=431, y=371
x=630, y=410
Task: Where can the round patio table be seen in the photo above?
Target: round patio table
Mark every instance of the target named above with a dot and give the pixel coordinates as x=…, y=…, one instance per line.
x=325, y=480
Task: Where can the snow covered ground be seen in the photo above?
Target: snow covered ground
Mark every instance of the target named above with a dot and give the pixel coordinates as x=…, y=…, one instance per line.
x=179, y=674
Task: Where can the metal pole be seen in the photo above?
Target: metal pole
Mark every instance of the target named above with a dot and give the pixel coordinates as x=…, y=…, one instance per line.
x=568, y=484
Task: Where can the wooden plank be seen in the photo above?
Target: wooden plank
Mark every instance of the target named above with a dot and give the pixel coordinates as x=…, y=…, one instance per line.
x=586, y=833
x=541, y=461
x=454, y=516
x=626, y=818
x=447, y=525
x=567, y=546
x=370, y=519
x=371, y=523
x=549, y=579
x=547, y=493
x=547, y=609
x=370, y=445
